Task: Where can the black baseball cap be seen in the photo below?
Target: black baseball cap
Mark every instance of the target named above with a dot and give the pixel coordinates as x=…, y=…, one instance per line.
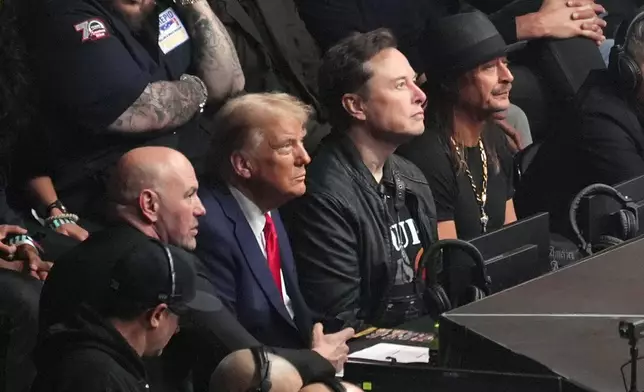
x=152, y=273
x=122, y=262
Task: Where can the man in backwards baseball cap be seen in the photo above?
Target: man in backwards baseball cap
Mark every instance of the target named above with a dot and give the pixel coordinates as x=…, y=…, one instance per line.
x=123, y=295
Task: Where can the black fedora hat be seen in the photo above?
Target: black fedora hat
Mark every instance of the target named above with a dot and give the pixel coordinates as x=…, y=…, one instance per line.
x=461, y=42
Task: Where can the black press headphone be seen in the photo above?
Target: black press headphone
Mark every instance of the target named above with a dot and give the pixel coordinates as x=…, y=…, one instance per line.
x=263, y=370
x=623, y=67
x=435, y=297
x=628, y=220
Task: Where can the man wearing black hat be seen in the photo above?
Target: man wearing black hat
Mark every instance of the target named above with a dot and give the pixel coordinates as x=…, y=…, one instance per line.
x=117, y=74
x=132, y=290
x=464, y=154
x=564, y=23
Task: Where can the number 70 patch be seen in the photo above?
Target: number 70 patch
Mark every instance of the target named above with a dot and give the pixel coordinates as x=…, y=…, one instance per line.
x=92, y=29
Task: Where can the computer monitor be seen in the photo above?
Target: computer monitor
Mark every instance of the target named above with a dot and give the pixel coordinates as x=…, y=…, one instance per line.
x=517, y=252
x=384, y=377
x=513, y=254
x=596, y=213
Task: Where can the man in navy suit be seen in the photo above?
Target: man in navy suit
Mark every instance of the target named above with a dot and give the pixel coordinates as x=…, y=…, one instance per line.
x=257, y=164
x=154, y=189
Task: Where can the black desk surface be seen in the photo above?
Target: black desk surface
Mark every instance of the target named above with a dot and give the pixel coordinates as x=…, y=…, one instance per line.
x=568, y=320
x=424, y=324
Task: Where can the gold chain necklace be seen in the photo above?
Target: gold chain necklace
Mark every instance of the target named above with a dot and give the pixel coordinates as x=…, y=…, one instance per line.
x=481, y=198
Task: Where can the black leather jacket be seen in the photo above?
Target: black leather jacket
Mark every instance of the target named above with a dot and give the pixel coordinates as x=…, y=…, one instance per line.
x=340, y=236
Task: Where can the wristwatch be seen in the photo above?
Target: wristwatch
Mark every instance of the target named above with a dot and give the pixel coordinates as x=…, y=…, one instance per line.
x=57, y=204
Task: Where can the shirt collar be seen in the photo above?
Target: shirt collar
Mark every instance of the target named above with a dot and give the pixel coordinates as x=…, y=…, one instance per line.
x=254, y=216
x=351, y=151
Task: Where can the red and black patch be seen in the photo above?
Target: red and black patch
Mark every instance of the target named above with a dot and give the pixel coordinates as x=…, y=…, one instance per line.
x=92, y=29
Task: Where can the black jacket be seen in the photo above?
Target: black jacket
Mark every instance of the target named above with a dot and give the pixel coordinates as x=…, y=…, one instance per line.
x=217, y=334
x=340, y=235
x=610, y=140
x=332, y=20
x=276, y=53
x=602, y=143
x=205, y=337
x=87, y=354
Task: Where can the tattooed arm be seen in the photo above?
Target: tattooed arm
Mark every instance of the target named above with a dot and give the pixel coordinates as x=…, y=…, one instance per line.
x=162, y=105
x=215, y=56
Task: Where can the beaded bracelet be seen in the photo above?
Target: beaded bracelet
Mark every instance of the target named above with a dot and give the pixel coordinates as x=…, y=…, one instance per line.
x=68, y=216
x=57, y=222
x=54, y=222
x=24, y=240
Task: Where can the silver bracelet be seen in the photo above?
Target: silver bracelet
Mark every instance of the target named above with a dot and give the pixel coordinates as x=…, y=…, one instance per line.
x=184, y=3
x=66, y=216
x=204, y=89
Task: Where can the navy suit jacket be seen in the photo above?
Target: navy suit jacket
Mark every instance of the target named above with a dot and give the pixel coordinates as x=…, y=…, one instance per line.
x=234, y=263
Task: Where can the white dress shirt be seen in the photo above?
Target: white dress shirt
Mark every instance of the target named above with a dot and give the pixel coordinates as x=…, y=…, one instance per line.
x=256, y=220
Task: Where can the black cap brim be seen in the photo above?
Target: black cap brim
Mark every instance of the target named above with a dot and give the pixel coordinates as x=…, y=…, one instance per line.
x=202, y=302
x=515, y=46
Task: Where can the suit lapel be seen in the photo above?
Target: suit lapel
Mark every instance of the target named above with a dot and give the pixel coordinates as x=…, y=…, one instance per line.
x=253, y=254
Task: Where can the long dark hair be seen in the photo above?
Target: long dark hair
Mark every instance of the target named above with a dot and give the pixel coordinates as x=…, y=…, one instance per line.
x=18, y=96
x=443, y=97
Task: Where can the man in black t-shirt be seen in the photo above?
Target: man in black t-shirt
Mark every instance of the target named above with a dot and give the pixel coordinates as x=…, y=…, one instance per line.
x=118, y=74
x=464, y=154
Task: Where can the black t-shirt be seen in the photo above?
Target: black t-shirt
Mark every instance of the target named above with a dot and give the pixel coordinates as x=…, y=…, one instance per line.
x=405, y=243
x=453, y=193
x=403, y=301
x=92, y=67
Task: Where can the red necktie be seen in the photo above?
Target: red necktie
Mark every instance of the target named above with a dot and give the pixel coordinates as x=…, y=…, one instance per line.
x=273, y=252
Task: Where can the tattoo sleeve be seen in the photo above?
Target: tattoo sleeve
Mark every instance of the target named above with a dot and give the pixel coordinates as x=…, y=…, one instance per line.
x=215, y=56
x=162, y=105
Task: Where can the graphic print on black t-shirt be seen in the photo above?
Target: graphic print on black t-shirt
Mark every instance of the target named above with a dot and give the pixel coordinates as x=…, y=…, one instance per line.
x=403, y=302
x=406, y=245
x=405, y=240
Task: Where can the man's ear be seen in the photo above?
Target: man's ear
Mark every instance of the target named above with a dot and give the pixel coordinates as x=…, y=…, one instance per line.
x=241, y=164
x=149, y=204
x=156, y=315
x=354, y=105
